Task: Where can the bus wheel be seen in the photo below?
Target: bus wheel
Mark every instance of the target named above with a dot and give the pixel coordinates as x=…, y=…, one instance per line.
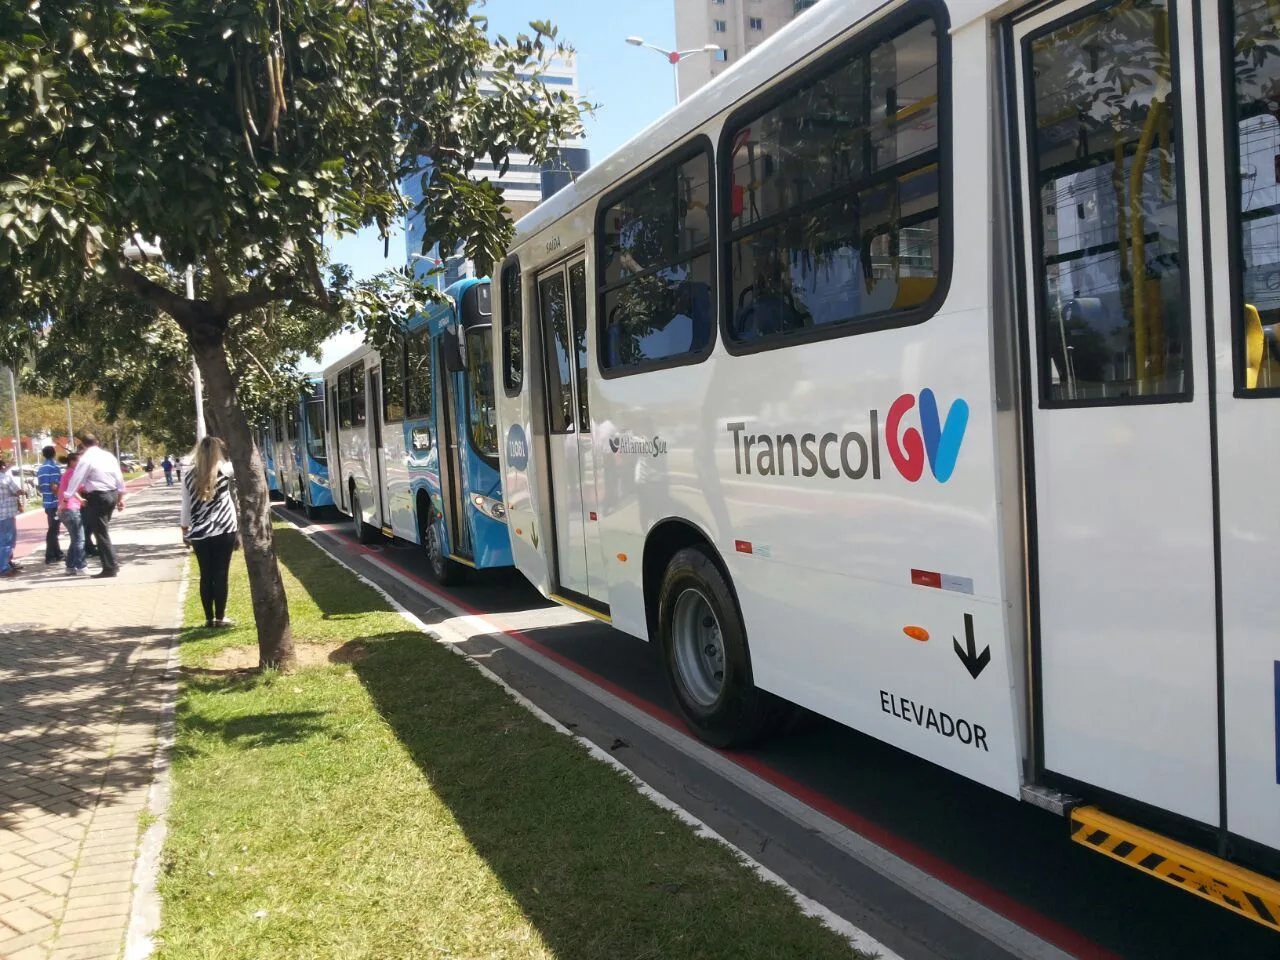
x=447, y=572
x=704, y=650
x=364, y=533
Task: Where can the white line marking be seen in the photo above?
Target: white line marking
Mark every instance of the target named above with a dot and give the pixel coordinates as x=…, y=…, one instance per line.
x=859, y=939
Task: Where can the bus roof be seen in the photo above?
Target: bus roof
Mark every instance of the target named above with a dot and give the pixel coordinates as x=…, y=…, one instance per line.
x=821, y=25
x=438, y=315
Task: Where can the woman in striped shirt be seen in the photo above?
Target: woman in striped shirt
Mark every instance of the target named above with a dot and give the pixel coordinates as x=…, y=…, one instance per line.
x=209, y=525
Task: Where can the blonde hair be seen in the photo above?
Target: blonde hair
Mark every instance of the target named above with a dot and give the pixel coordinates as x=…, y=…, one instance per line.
x=209, y=454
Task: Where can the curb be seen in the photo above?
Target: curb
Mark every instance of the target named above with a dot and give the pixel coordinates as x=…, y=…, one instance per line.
x=145, y=909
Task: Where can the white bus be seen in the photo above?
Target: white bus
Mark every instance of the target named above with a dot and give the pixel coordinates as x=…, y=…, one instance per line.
x=905, y=372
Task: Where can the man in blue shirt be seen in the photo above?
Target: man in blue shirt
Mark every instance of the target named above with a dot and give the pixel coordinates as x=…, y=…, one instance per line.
x=48, y=477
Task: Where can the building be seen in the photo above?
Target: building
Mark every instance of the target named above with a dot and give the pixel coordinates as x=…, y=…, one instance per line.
x=524, y=185
x=736, y=26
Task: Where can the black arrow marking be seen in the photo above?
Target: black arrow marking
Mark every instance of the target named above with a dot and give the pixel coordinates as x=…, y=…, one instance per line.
x=973, y=661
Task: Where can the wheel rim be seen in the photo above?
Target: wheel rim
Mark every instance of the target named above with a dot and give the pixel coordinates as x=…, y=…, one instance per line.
x=698, y=647
x=434, y=554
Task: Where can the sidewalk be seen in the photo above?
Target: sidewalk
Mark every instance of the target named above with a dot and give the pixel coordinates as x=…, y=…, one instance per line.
x=82, y=684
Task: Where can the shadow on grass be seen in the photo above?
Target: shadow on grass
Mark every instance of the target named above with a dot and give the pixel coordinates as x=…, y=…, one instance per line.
x=598, y=870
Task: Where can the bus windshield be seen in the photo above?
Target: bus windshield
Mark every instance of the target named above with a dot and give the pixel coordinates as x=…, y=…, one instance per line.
x=482, y=414
x=315, y=429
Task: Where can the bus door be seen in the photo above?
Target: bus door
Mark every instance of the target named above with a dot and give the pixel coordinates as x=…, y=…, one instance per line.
x=376, y=472
x=1120, y=499
x=453, y=481
x=562, y=306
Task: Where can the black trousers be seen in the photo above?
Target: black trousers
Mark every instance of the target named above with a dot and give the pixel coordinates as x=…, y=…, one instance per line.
x=52, y=551
x=213, y=554
x=97, y=511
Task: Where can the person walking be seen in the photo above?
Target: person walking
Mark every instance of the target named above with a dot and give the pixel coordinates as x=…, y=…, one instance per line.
x=177, y=468
x=209, y=525
x=167, y=466
x=149, y=467
x=69, y=504
x=10, y=507
x=48, y=478
x=98, y=477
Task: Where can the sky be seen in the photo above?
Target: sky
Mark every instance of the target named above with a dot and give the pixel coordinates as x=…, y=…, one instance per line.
x=631, y=85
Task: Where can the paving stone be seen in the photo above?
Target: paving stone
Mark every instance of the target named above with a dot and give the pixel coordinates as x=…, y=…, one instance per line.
x=82, y=690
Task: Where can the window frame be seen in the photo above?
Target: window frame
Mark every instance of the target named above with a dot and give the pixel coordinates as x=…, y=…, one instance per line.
x=1035, y=242
x=719, y=26
x=1231, y=129
x=755, y=23
x=762, y=101
x=680, y=154
x=510, y=263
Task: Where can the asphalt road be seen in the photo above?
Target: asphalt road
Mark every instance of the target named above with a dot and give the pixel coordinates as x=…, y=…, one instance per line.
x=992, y=877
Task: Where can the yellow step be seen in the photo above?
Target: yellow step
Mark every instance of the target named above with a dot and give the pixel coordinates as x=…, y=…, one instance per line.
x=1242, y=891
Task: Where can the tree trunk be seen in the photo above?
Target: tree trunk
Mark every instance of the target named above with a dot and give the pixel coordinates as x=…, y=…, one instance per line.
x=270, y=606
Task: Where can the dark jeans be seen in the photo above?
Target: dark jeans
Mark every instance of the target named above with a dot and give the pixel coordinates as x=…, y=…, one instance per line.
x=214, y=556
x=52, y=552
x=97, y=510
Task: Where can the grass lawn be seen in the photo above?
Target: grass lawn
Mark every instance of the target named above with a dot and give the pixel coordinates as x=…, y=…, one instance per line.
x=402, y=806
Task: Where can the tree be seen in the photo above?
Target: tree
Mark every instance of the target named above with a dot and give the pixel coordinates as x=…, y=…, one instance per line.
x=237, y=134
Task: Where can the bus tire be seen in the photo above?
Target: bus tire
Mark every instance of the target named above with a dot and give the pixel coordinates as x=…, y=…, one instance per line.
x=705, y=655
x=364, y=532
x=447, y=573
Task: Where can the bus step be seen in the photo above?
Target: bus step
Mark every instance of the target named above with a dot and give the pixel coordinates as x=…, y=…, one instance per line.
x=388, y=532
x=1047, y=798
x=1226, y=884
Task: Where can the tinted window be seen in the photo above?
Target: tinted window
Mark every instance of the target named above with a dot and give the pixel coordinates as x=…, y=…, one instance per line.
x=1112, y=324
x=357, y=394
x=655, y=256
x=512, y=330
x=1257, y=193
x=344, y=398
x=418, y=372
x=833, y=196
x=393, y=382
x=482, y=412
x=578, y=322
x=315, y=429
x=554, y=310
x=291, y=422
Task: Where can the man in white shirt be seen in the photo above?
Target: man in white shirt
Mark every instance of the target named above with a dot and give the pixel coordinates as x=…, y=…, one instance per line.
x=99, y=479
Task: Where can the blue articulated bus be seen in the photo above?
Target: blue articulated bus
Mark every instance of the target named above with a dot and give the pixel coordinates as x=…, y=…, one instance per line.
x=301, y=463
x=415, y=435
x=267, y=447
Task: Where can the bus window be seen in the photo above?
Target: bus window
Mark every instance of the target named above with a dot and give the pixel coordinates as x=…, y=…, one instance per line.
x=512, y=330
x=418, y=374
x=834, y=196
x=357, y=395
x=482, y=411
x=393, y=382
x=315, y=429
x=578, y=318
x=555, y=320
x=1257, y=194
x=344, y=399
x=291, y=422
x=655, y=248
x=1112, y=316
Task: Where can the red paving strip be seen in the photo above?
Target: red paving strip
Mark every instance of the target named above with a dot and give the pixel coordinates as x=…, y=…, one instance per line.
x=1056, y=933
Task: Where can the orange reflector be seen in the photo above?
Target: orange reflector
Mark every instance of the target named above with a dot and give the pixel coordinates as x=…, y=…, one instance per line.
x=519, y=532
x=622, y=557
x=916, y=633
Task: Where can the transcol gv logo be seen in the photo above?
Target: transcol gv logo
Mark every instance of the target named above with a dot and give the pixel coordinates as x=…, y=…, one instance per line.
x=851, y=454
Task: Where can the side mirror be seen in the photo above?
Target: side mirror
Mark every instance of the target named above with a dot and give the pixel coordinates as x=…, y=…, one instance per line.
x=455, y=360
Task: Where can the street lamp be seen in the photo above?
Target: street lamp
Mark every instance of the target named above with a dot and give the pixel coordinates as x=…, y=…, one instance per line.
x=139, y=249
x=674, y=57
